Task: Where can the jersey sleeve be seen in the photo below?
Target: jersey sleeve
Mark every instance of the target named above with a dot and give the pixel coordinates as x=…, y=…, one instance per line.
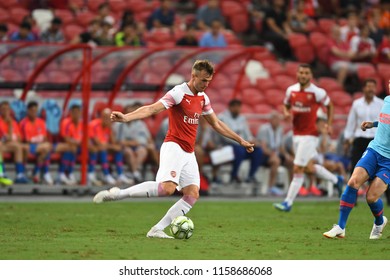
x=207, y=110
x=286, y=100
x=172, y=98
x=322, y=97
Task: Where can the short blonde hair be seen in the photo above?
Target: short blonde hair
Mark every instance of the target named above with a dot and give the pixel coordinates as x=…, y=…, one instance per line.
x=205, y=65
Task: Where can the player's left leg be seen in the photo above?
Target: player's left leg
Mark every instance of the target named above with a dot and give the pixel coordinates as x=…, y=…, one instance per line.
x=180, y=208
x=43, y=160
x=375, y=190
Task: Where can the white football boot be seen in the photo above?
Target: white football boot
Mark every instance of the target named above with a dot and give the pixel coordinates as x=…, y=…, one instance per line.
x=104, y=196
x=48, y=179
x=93, y=180
x=376, y=231
x=157, y=233
x=108, y=179
x=335, y=232
x=125, y=180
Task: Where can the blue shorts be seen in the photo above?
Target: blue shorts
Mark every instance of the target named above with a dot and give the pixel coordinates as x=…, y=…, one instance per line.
x=33, y=148
x=376, y=165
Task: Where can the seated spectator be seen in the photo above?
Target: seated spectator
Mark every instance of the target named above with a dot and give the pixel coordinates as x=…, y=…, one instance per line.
x=308, y=7
x=362, y=46
x=276, y=29
x=3, y=32
x=340, y=56
x=103, y=138
x=256, y=10
x=72, y=133
x=137, y=143
x=383, y=52
x=106, y=37
x=128, y=37
x=4, y=181
x=33, y=132
x=11, y=141
x=104, y=13
x=213, y=38
x=345, y=7
x=351, y=28
x=91, y=36
x=238, y=123
x=164, y=16
x=23, y=34
x=189, y=38
x=206, y=14
x=269, y=138
x=297, y=18
x=129, y=19
x=53, y=34
x=373, y=22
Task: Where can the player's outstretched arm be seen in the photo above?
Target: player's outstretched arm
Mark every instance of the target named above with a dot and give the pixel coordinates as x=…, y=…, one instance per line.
x=224, y=130
x=140, y=113
x=366, y=125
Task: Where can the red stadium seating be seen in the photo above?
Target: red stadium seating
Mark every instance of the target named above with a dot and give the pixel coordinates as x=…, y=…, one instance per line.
x=94, y=5
x=17, y=14
x=340, y=98
x=66, y=16
x=72, y=30
x=239, y=22
x=263, y=109
x=230, y=8
x=273, y=67
x=9, y=3
x=265, y=84
x=318, y=40
x=325, y=25
x=284, y=81
x=275, y=97
x=291, y=68
x=118, y=6
x=85, y=17
x=4, y=16
x=365, y=71
x=329, y=84
x=305, y=53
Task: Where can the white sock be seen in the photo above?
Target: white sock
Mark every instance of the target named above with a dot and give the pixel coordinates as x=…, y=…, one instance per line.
x=145, y=189
x=325, y=174
x=180, y=208
x=293, y=190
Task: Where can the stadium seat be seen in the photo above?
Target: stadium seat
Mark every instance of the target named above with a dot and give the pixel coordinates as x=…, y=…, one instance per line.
x=275, y=97
x=249, y=94
x=263, y=109
x=273, y=67
x=247, y=109
x=304, y=53
x=297, y=40
x=318, y=40
x=117, y=6
x=230, y=8
x=291, y=68
x=85, y=17
x=329, y=84
x=325, y=25
x=340, y=98
x=4, y=16
x=239, y=22
x=357, y=95
x=11, y=75
x=365, y=71
x=17, y=14
x=94, y=5
x=264, y=56
x=66, y=16
x=283, y=81
x=72, y=30
x=384, y=73
x=9, y=3
x=265, y=84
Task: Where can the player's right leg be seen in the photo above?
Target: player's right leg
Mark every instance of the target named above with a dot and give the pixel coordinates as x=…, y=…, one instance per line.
x=374, y=201
x=362, y=172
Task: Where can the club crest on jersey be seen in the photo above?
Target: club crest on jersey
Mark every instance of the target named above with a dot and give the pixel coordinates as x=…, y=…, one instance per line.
x=173, y=174
x=194, y=120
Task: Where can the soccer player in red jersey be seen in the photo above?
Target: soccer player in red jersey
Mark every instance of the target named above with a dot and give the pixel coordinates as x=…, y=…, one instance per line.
x=33, y=131
x=11, y=138
x=302, y=102
x=186, y=103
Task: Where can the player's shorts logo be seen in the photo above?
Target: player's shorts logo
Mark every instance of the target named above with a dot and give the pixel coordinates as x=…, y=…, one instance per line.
x=364, y=154
x=173, y=174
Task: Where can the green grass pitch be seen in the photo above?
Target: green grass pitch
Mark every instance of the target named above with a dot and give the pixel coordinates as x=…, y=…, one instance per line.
x=223, y=230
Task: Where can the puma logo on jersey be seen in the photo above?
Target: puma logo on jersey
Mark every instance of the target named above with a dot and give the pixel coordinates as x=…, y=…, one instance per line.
x=188, y=100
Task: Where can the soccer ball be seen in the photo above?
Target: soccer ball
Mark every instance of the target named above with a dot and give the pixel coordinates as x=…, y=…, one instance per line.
x=182, y=227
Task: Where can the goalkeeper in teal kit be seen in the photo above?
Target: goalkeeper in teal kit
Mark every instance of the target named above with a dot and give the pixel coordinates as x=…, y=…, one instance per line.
x=373, y=166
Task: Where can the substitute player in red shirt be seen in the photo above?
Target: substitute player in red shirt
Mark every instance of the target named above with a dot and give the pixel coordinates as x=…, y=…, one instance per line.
x=33, y=130
x=302, y=102
x=186, y=103
x=11, y=138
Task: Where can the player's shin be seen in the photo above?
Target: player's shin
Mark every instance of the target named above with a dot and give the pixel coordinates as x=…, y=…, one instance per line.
x=293, y=190
x=347, y=202
x=323, y=173
x=377, y=211
x=180, y=208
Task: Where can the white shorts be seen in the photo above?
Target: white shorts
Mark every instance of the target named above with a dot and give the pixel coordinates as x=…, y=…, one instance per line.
x=177, y=166
x=305, y=149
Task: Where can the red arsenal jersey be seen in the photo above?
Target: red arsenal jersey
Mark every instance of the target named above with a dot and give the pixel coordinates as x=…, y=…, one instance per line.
x=185, y=108
x=304, y=106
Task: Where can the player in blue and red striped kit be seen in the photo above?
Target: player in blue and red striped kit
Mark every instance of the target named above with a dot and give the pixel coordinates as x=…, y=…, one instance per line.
x=373, y=166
